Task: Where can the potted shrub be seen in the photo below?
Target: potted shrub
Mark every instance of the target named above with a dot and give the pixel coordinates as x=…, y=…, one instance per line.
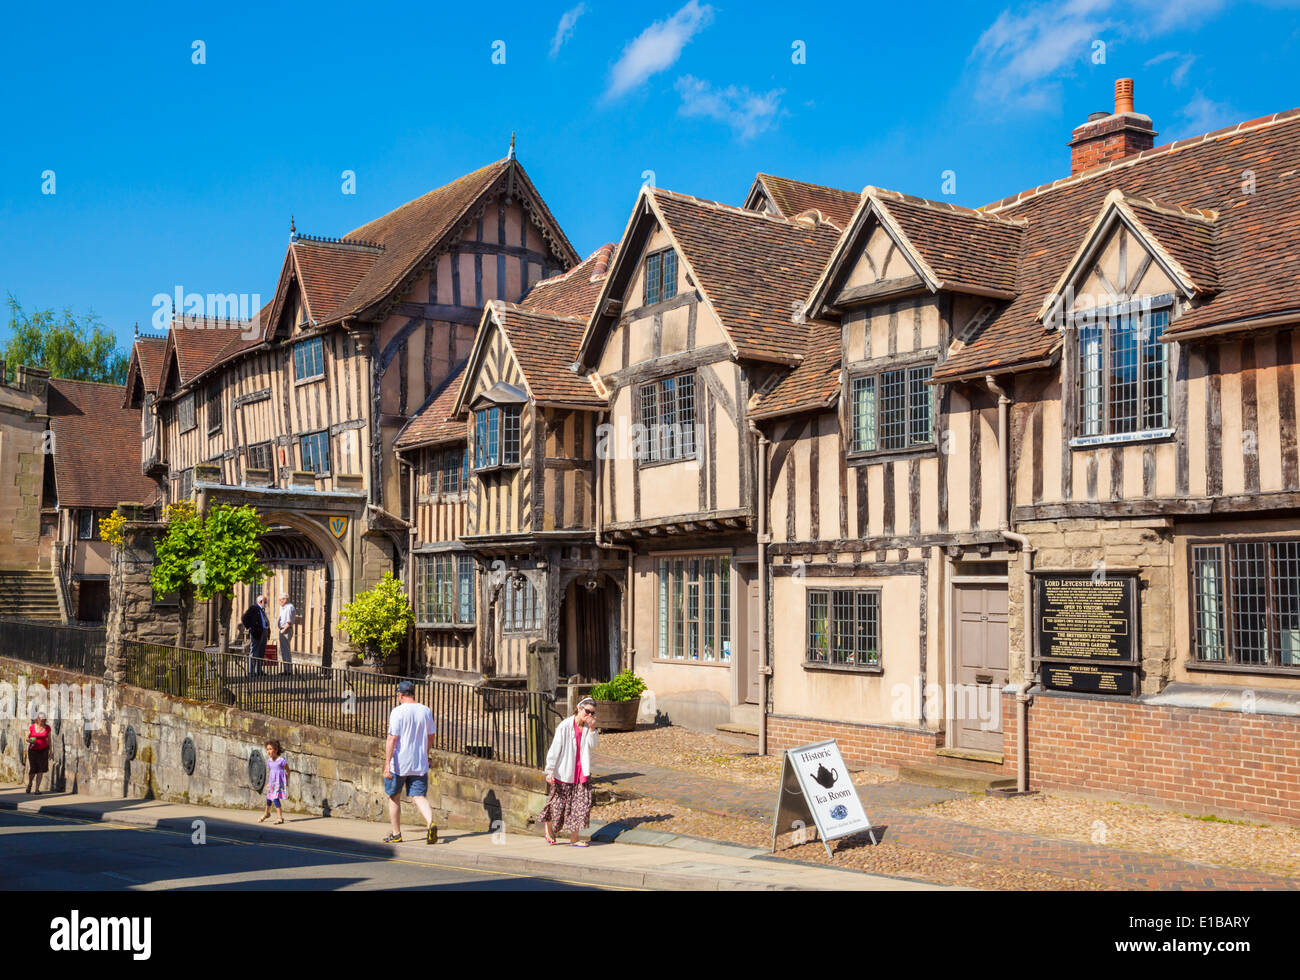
x=377, y=621
x=617, y=702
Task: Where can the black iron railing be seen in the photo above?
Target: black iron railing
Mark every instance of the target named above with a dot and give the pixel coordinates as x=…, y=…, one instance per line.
x=79, y=648
x=508, y=725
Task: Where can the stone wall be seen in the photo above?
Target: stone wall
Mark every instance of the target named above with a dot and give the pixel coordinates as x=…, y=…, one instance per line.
x=331, y=773
x=23, y=446
x=1146, y=545
x=132, y=612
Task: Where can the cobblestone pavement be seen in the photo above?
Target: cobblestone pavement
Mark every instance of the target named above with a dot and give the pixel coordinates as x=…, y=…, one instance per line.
x=895, y=805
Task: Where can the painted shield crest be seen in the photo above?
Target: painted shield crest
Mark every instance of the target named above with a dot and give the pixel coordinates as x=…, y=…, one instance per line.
x=338, y=526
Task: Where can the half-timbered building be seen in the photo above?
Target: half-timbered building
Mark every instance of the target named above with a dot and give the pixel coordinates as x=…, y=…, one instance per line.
x=295, y=411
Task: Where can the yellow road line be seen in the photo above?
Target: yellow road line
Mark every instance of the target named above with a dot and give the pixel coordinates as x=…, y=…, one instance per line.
x=321, y=850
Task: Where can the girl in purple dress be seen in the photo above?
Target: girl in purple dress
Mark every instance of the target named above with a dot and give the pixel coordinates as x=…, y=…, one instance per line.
x=277, y=780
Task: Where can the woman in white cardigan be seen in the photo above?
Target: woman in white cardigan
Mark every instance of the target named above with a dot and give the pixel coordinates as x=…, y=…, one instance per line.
x=568, y=771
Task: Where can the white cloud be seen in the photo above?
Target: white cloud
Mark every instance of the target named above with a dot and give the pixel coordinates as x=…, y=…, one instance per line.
x=1204, y=115
x=747, y=113
x=1179, y=75
x=1022, y=56
x=657, y=47
x=565, y=29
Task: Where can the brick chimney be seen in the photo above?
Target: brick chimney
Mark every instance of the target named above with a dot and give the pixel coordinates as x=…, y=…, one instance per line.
x=1106, y=137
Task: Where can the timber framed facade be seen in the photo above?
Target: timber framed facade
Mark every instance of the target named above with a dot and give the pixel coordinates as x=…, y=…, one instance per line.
x=798, y=463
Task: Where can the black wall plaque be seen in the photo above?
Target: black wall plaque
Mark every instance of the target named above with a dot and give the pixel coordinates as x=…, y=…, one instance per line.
x=129, y=744
x=1090, y=678
x=188, y=756
x=1082, y=617
x=257, y=770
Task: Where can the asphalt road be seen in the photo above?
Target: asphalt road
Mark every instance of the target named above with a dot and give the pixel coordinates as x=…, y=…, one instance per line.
x=61, y=854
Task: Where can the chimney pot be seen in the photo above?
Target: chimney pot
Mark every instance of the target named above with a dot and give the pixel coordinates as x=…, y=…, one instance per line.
x=1123, y=95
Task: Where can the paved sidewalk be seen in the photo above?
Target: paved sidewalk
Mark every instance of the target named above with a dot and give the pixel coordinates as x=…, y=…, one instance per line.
x=688, y=865
x=895, y=805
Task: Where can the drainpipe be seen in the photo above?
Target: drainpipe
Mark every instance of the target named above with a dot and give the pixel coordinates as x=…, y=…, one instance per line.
x=765, y=671
x=629, y=606
x=1027, y=564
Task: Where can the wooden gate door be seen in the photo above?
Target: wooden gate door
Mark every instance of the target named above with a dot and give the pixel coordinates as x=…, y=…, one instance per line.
x=593, y=633
x=980, y=612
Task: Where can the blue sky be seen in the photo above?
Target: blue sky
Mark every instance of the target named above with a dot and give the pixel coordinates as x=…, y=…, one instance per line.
x=169, y=173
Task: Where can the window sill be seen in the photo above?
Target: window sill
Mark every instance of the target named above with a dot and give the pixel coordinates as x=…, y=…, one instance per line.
x=692, y=663
x=499, y=468
x=1147, y=435
x=307, y=381
x=841, y=668
x=1214, y=667
x=648, y=463
x=885, y=455
x=446, y=627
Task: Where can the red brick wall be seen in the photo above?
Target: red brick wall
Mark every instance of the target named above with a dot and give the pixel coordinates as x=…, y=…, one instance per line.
x=1200, y=760
x=863, y=744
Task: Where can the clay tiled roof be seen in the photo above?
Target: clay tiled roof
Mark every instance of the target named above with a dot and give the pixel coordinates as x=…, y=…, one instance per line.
x=964, y=248
x=793, y=197
x=545, y=345
x=812, y=385
x=753, y=268
x=1256, y=233
x=1188, y=237
x=411, y=232
x=96, y=446
x=329, y=271
x=433, y=424
x=201, y=343
x=149, y=353
x=575, y=292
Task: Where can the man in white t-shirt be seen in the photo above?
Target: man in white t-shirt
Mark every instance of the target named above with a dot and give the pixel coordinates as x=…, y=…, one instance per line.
x=285, y=624
x=406, y=762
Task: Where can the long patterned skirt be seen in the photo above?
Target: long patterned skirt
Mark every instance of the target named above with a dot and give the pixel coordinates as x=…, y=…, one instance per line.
x=568, y=806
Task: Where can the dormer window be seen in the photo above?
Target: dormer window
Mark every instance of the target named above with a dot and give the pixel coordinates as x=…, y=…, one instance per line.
x=309, y=360
x=1122, y=374
x=496, y=437
x=660, y=276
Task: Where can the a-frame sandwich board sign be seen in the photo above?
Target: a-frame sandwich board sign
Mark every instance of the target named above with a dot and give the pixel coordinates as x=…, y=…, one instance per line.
x=816, y=788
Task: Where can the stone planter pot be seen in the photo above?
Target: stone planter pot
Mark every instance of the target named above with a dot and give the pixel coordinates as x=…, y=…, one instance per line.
x=617, y=716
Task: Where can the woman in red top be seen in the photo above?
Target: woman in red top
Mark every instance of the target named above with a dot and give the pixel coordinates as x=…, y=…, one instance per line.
x=38, y=751
x=568, y=771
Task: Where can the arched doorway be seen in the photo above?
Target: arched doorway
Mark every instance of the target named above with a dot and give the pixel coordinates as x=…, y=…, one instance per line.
x=589, y=628
x=306, y=564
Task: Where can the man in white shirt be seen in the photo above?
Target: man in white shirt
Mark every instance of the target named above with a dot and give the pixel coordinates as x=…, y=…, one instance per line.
x=406, y=762
x=285, y=623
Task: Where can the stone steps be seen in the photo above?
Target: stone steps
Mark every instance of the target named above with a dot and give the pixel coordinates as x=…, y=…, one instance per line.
x=968, y=778
x=28, y=594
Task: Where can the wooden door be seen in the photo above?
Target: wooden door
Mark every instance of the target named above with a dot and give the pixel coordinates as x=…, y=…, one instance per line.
x=593, y=633
x=980, y=655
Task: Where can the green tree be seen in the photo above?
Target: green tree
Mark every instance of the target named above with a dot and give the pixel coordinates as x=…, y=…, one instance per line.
x=205, y=557
x=178, y=561
x=379, y=618
x=68, y=347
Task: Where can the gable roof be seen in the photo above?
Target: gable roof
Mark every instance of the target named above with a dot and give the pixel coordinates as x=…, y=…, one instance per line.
x=544, y=346
x=196, y=344
x=144, y=369
x=949, y=247
x=1180, y=241
x=329, y=270
x=435, y=423
x=572, y=293
x=814, y=384
x=96, y=446
x=793, y=197
x=410, y=233
x=752, y=269
x=1256, y=239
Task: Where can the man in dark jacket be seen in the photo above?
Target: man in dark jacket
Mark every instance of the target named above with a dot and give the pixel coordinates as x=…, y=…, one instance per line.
x=257, y=627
